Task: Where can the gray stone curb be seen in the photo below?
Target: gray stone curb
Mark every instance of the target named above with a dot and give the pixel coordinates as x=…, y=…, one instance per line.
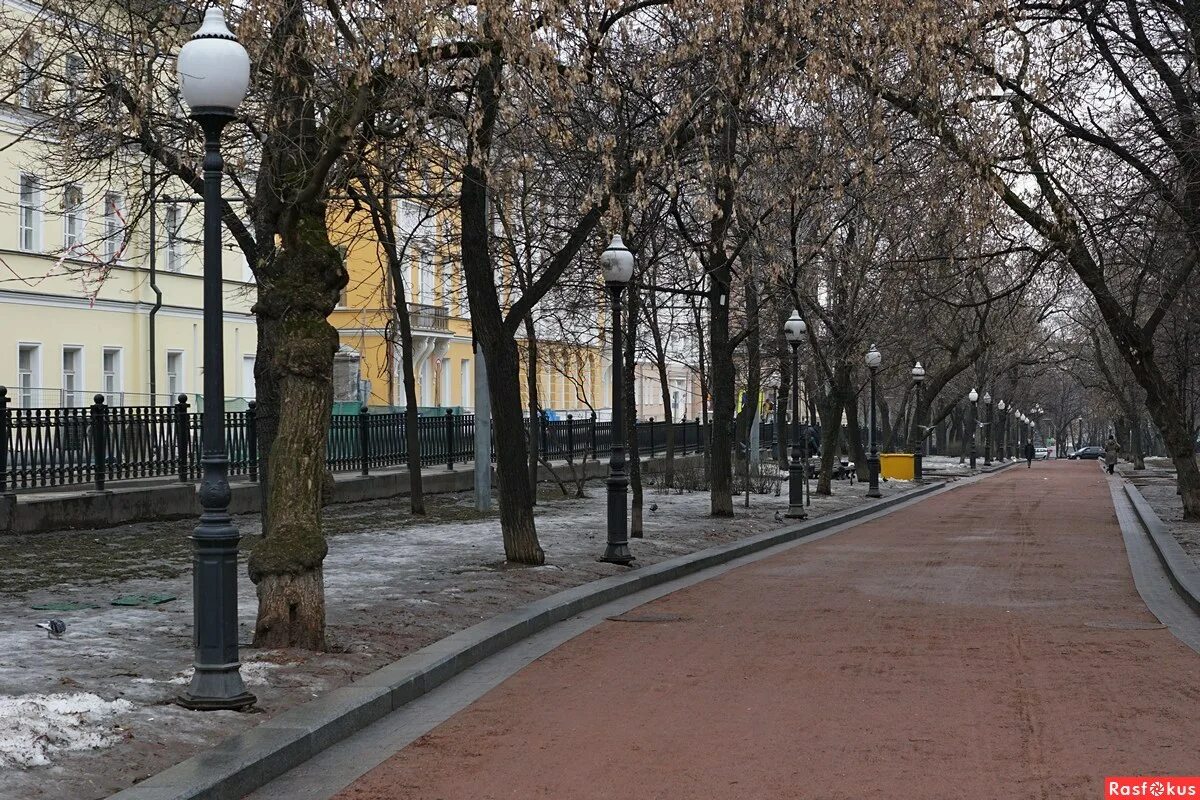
x=1180, y=567
x=243, y=763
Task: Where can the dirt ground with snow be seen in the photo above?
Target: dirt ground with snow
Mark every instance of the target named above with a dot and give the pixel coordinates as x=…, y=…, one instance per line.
x=1157, y=485
x=393, y=584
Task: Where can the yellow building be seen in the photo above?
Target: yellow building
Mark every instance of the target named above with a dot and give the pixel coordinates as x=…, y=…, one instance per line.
x=571, y=378
x=78, y=311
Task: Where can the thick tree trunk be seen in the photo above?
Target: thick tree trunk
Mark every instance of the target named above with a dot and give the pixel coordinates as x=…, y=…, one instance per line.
x=854, y=430
x=305, y=281
x=830, y=412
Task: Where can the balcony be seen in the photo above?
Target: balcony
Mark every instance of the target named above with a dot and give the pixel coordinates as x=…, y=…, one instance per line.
x=428, y=318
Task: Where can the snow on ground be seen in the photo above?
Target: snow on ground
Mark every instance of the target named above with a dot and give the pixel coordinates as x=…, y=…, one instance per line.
x=393, y=584
x=34, y=727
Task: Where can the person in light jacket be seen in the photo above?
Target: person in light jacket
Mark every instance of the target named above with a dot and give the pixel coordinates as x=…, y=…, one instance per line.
x=1029, y=454
x=1112, y=452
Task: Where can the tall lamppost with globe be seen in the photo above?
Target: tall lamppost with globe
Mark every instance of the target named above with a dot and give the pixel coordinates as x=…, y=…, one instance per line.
x=973, y=397
x=794, y=330
x=873, y=360
x=214, y=74
x=918, y=376
x=987, y=434
x=616, y=262
x=1003, y=431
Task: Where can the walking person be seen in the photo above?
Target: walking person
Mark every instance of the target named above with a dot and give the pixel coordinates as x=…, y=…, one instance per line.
x=1029, y=454
x=1112, y=452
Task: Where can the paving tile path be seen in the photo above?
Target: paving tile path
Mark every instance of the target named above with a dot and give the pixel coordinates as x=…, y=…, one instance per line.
x=985, y=643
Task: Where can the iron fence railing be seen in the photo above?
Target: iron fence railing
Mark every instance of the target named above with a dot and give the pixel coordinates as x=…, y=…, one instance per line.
x=51, y=447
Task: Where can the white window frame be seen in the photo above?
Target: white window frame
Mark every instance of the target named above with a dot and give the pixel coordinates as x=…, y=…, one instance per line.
x=425, y=389
x=447, y=396
x=29, y=213
x=74, y=218
x=465, y=389
x=72, y=397
x=25, y=389
x=249, y=392
x=173, y=251
x=71, y=76
x=180, y=375
x=32, y=64
x=113, y=395
x=114, y=225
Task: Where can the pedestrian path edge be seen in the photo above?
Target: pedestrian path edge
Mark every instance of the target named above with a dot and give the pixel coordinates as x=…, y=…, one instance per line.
x=1180, y=567
x=243, y=763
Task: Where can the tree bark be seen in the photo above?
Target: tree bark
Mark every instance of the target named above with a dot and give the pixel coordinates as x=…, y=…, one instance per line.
x=533, y=404
x=301, y=290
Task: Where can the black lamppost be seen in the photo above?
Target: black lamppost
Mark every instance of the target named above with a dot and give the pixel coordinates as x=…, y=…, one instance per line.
x=973, y=425
x=918, y=376
x=987, y=434
x=616, y=262
x=1003, y=431
x=794, y=330
x=873, y=359
x=214, y=73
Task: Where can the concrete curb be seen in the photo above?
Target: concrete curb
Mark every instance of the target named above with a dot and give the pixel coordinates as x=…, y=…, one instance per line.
x=242, y=763
x=1180, y=567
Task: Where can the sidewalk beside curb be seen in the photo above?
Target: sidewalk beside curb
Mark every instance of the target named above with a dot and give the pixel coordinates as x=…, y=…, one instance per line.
x=251, y=759
x=1180, y=567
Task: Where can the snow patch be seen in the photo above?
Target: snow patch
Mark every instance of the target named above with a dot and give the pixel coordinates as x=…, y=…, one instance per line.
x=254, y=673
x=34, y=727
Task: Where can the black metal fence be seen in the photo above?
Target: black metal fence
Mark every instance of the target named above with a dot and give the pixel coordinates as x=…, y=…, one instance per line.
x=49, y=447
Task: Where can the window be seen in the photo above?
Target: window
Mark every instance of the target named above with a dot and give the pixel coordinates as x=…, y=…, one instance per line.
x=73, y=76
x=28, y=367
x=31, y=77
x=466, y=399
x=72, y=359
x=444, y=377
x=248, y=387
x=114, y=225
x=72, y=218
x=427, y=276
x=426, y=387
x=174, y=375
x=112, y=376
x=171, y=235
x=29, y=215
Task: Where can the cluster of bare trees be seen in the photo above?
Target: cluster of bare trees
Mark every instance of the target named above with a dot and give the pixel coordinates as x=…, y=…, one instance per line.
x=1000, y=191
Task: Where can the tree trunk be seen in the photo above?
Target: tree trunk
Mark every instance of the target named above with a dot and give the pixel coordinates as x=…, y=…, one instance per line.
x=533, y=405
x=634, y=460
x=830, y=412
x=304, y=282
x=660, y=361
x=521, y=544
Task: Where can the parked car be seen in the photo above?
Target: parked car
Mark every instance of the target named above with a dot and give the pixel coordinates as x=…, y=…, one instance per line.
x=1091, y=452
x=1041, y=453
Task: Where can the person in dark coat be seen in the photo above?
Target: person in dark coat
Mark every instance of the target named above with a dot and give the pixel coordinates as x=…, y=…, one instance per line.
x=1029, y=454
x=1112, y=452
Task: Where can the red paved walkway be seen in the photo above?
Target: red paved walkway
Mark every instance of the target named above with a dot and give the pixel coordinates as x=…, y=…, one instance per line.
x=962, y=648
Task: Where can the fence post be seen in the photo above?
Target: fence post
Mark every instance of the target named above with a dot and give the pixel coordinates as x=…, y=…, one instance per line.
x=699, y=436
x=252, y=439
x=364, y=441
x=570, y=438
x=595, y=441
x=543, y=421
x=4, y=436
x=450, y=439
x=182, y=437
x=99, y=439
x=652, y=437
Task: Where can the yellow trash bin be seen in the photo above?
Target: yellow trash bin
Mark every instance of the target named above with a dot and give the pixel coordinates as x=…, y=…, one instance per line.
x=896, y=466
